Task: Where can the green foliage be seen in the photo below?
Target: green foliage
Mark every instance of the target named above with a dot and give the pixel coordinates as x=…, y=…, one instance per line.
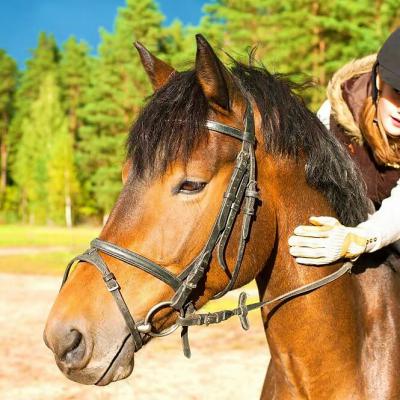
x=242, y=24
x=44, y=168
x=307, y=39
x=44, y=60
x=70, y=111
x=74, y=71
x=118, y=86
x=178, y=45
x=8, y=81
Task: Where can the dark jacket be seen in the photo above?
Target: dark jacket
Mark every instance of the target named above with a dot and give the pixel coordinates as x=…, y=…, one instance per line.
x=347, y=92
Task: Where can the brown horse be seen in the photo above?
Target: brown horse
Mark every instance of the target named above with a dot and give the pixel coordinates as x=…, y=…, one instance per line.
x=337, y=342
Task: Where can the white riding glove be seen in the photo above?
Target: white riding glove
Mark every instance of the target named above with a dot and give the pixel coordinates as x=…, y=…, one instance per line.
x=327, y=240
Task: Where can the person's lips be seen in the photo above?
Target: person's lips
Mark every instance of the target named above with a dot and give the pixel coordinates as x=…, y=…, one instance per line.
x=396, y=121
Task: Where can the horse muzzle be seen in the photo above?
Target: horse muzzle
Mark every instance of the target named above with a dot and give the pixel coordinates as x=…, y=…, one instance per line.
x=80, y=360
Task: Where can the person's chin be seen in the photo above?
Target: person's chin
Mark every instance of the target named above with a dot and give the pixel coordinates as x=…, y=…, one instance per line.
x=395, y=126
x=392, y=128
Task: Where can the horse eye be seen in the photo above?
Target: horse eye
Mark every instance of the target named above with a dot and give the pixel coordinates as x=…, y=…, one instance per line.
x=191, y=187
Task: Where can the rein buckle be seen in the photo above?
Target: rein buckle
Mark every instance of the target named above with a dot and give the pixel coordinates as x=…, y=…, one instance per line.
x=243, y=311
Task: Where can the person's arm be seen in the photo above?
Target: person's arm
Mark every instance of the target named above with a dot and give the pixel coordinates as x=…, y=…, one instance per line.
x=327, y=239
x=386, y=221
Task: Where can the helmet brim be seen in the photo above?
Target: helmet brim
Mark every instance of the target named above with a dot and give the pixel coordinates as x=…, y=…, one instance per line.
x=389, y=77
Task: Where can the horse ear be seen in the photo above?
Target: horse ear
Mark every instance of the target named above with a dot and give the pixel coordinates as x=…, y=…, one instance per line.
x=215, y=80
x=158, y=71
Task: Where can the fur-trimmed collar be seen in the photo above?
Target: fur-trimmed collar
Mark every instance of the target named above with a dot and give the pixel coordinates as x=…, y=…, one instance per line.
x=340, y=110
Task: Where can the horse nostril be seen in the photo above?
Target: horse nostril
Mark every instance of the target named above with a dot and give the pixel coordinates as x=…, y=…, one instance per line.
x=74, y=349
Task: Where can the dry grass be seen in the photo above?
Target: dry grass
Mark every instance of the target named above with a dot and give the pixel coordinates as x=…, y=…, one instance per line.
x=37, y=264
x=59, y=245
x=27, y=235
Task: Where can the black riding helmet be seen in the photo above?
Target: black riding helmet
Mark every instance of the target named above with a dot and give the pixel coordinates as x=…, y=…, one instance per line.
x=388, y=62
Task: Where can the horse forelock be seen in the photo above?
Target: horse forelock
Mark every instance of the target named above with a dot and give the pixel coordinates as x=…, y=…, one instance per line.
x=172, y=124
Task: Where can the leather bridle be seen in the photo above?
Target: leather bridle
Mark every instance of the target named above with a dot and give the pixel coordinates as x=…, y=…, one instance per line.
x=242, y=193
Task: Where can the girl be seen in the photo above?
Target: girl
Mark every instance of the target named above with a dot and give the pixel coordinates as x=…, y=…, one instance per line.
x=363, y=111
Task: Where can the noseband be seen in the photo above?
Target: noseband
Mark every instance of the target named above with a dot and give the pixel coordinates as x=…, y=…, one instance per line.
x=242, y=193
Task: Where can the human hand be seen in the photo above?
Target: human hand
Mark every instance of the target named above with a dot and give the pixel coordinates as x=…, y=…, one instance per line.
x=327, y=240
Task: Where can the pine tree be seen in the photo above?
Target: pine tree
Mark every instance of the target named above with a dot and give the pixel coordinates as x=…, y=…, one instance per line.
x=44, y=168
x=178, y=45
x=280, y=32
x=118, y=86
x=302, y=37
x=74, y=71
x=239, y=25
x=62, y=184
x=44, y=60
x=8, y=80
x=386, y=18
x=320, y=37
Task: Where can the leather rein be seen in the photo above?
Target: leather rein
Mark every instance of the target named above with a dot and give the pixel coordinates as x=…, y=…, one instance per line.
x=242, y=193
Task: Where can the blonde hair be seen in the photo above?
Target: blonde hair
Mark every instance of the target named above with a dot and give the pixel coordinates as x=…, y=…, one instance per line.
x=386, y=150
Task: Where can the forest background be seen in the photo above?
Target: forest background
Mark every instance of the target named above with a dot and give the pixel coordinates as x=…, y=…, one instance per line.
x=64, y=118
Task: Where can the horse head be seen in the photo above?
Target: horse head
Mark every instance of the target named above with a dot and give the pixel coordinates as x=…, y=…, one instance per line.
x=175, y=177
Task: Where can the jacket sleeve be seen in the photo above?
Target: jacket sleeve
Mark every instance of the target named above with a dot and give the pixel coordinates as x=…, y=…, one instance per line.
x=385, y=223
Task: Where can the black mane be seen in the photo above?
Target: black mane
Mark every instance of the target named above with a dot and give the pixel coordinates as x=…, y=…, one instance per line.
x=172, y=124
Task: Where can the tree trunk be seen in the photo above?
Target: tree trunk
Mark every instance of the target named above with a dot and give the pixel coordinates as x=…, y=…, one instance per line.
x=3, y=155
x=68, y=212
x=73, y=121
x=68, y=201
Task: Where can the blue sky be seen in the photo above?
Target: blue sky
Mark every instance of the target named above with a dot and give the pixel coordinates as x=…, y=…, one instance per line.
x=22, y=20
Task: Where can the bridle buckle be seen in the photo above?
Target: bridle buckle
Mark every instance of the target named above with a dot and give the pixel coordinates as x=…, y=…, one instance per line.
x=111, y=282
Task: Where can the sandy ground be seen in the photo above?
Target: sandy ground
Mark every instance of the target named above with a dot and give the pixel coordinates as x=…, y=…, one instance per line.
x=226, y=363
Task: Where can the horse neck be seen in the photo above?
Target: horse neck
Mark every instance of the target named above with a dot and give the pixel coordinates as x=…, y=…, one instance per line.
x=314, y=339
